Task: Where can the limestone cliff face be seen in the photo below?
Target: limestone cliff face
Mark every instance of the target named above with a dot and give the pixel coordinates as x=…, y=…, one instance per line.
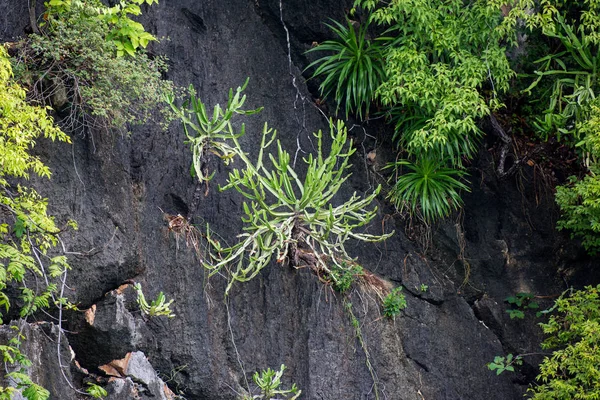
x=118, y=187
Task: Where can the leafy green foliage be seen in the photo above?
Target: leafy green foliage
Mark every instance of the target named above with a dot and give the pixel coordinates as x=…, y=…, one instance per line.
x=393, y=303
x=127, y=34
x=27, y=232
x=342, y=278
x=354, y=70
x=445, y=66
x=443, y=56
x=572, y=71
x=580, y=207
x=85, y=65
x=159, y=306
x=285, y=216
x=428, y=187
x=207, y=135
x=573, y=369
x=520, y=302
x=501, y=364
x=269, y=382
x=97, y=392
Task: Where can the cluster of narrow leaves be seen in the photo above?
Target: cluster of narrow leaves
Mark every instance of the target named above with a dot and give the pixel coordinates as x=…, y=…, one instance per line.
x=157, y=307
x=207, y=135
x=356, y=71
x=285, y=216
x=444, y=69
x=573, y=369
x=428, y=187
x=269, y=384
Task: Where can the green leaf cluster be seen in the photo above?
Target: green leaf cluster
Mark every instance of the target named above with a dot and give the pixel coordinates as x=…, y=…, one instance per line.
x=285, y=216
x=354, y=70
x=393, y=303
x=501, y=364
x=573, y=369
x=269, y=382
x=428, y=188
x=520, y=302
x=207, y=135
x=126, y=34
x=436, y=70
x=579, y=202
x=88, y=64
x=27, y=232
x=158, y=307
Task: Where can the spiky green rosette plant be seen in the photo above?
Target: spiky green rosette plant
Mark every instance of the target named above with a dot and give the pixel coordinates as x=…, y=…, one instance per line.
x=428, y=187
x=287, y=217
x=355, y=69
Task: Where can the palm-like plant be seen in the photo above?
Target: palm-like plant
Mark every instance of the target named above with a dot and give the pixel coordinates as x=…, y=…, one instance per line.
x=429, y=187
x=354, y=70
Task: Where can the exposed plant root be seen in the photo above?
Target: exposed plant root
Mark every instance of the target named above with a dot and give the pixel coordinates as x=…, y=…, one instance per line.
x=181, y=228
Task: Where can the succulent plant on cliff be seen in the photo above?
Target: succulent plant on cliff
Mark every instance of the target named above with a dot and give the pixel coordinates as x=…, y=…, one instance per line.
x=285, y=216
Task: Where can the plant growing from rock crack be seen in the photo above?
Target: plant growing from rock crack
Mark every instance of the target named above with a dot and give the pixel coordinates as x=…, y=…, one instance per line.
x=158, y=307
x=269, y=382
x=393, y=303
x=501, y=364
x=520, y=302
x=429, y=187
x=293, y=219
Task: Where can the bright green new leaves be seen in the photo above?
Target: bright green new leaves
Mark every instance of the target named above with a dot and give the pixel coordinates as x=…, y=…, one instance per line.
x=355, y=69
x=428, y=187
x=393, y=303
x=579, y=202
x=443, y=55
x=26, y=231
x=126, y=34
x=439, y=68
x=501, y=364
x=573, y=371
x=285, y=216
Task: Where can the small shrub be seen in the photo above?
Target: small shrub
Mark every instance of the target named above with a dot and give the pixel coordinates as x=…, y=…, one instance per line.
x=87, y=64
x=501, y=364
x=393, y=303
x=579, y=202
x=573, y=369
x=522, y=301
x=269, y=382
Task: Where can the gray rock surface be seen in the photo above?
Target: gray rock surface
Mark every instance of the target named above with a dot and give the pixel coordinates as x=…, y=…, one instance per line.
x=118, y=187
